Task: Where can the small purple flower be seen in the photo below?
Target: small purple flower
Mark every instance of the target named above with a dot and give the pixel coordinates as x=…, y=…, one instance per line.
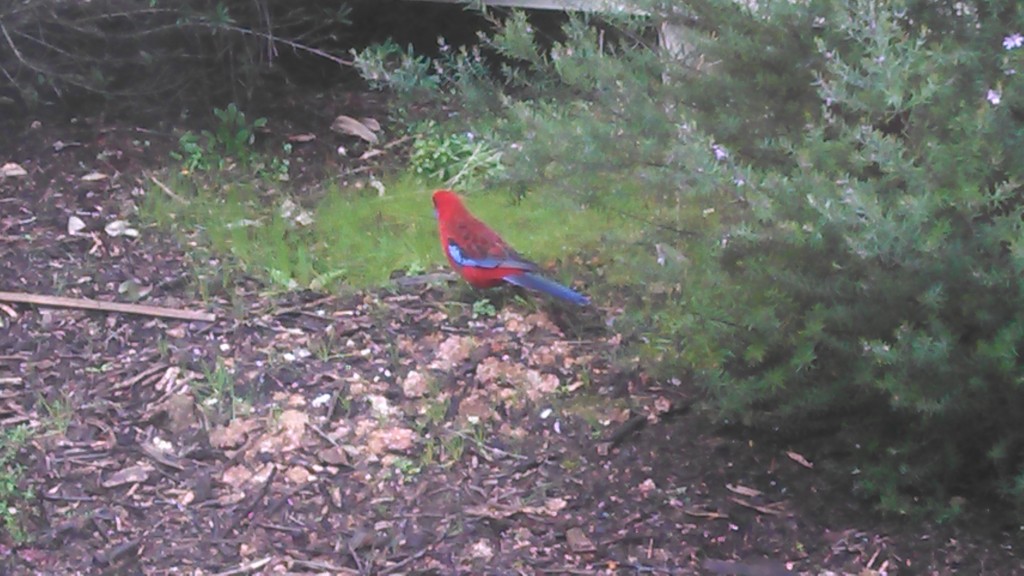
x=995, y=97
x=1013, y=41
x=720, y=152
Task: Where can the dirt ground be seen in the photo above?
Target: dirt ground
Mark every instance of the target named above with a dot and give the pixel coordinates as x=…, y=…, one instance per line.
x=371, y=433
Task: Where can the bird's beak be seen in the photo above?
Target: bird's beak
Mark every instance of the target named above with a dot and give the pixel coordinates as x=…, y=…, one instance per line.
x=436, y=215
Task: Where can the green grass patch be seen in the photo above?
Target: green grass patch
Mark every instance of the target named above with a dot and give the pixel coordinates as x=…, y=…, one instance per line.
x=359, y=237
x=13, y=496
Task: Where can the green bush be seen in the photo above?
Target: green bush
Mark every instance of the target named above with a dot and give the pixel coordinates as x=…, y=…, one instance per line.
x=873, y=288
x=834, y=193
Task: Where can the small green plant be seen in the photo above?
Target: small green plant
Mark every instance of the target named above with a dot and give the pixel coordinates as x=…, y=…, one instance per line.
x=344, y=404
x=13, y=494
x=455, y=160
x=191, y=153
x=484, y=307
x=231, y=140
x=217, y=391
x=276, y=168
x=323, y=280
x=274, y=415
x=415, y=269
x=58, y=412
x=435, y=410
x=102, y=368
x=453, y=447
x=234, y=136
x=323, y=346
x=282, y=280
x=407, y=467
x=480, y=435
x=60, y=283
x=163, y=347
x=428, y=456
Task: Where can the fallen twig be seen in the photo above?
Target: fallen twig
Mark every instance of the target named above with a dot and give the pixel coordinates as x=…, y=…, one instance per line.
x=424, y=278
x=319, y=566
x=148, y=372
x=771, y=509
x=394, y=143
x=247, y=567
x=307, y=305
x=167, y=190
x=87, y=304
x=352, y=552
x=323, y=434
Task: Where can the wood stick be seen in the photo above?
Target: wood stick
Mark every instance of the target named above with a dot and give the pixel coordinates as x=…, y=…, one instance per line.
x=167, y=190
x=87, y=304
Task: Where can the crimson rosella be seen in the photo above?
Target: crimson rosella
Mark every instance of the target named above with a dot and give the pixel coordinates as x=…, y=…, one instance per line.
x=480, y=256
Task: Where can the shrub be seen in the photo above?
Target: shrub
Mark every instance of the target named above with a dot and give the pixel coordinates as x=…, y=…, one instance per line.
x=873, y=288
x=835, y=198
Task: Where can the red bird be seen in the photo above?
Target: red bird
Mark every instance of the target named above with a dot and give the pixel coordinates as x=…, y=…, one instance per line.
x=480, y=256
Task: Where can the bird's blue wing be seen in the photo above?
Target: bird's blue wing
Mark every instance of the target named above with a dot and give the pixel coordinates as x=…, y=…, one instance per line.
x=463, y=256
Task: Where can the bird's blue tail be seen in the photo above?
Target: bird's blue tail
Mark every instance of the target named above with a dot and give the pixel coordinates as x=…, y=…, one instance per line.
x=541, y=284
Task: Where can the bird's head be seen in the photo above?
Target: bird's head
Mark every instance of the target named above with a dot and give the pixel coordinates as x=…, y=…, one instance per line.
x=446, y=203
